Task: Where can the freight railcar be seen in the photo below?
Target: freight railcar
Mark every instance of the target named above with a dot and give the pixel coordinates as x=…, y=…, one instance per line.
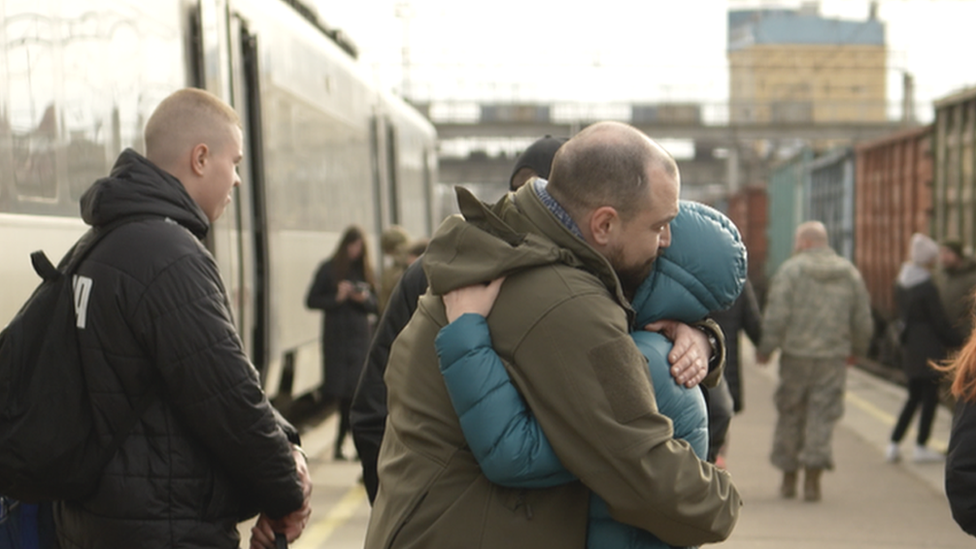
x=830, y=198
x=323, y=147
x=748, y=209
x=954, y=168
x=787, y=189
x=893, y=200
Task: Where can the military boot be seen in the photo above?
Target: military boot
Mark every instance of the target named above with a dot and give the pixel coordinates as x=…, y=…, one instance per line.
x=811, y=484
x=788, y=489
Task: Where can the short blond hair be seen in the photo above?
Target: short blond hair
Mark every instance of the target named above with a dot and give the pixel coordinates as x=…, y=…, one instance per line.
x=184, y=119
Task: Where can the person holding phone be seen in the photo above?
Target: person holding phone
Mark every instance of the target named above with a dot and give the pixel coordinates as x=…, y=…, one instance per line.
x=343, y=289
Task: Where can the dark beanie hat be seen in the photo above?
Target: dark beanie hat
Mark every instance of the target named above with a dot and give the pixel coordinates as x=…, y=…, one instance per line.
x=954, y=245
x=538, y=156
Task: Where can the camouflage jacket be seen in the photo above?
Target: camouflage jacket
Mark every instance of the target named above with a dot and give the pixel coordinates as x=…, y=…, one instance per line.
x=818, y=307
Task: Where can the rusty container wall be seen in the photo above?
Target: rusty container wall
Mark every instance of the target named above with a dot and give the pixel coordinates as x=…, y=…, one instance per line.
x=830, y=198
x=748, y=210
x=954, y=157
x=893, y=199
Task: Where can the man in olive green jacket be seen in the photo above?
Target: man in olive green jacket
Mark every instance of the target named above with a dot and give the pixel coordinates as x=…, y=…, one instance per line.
x=573, y=251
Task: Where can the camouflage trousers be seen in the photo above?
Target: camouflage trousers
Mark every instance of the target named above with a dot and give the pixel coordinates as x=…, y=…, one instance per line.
x=810, y=401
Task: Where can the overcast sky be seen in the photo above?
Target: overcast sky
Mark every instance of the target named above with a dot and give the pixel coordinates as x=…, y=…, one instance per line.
x=627, y=51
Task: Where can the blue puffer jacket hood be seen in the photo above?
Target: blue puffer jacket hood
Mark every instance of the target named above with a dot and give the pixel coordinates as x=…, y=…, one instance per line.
x=703, y=270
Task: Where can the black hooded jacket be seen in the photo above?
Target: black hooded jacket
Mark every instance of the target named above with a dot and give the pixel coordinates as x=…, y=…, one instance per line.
x=210, y=450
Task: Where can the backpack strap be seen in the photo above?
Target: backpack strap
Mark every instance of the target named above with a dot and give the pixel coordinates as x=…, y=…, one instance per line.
x=90, y=239
x=43, y=266
x=68, y=266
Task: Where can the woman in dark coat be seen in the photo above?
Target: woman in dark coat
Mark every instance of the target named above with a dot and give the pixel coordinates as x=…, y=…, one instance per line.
x=960, y=467
x=344, y=290
x=926, y=336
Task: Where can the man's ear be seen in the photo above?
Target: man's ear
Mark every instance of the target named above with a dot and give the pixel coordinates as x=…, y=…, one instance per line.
x=199, y=158
x=604, y=223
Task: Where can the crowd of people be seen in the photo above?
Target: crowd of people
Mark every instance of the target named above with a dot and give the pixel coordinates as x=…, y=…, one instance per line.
x=559, y=368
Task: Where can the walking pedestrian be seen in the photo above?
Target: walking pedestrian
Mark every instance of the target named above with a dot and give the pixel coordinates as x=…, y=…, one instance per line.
x=818, y=315
x=926, y=335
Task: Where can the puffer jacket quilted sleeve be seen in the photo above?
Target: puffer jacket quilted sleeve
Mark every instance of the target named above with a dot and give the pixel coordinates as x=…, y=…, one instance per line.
x=209, y=382
x=210, y=450
x=505, y=438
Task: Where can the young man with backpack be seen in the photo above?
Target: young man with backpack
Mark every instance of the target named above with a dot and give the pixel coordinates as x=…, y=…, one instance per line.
x=155, y=332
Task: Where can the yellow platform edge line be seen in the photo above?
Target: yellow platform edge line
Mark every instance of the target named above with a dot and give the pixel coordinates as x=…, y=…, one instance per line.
x=320, y=531
x=888, y=419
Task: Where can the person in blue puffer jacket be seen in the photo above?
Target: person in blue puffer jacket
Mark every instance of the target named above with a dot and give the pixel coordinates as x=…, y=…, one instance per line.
x=703, y=270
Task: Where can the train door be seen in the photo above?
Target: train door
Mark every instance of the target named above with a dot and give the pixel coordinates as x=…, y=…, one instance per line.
x=386, y=188
x=376, y=163
x=392, y=161
x=251, y=215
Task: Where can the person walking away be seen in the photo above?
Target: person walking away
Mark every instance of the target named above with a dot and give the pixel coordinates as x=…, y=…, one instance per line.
x=210, y=451
x=343, y=290
x=927, y=335
x=818, y=315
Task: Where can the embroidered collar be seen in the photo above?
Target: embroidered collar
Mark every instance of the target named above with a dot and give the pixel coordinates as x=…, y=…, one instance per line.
x=539, y=186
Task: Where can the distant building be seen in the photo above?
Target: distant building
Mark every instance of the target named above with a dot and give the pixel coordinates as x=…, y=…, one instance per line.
x=797, y=66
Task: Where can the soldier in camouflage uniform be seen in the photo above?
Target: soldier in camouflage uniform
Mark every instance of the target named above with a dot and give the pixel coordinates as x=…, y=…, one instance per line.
x=818, y=315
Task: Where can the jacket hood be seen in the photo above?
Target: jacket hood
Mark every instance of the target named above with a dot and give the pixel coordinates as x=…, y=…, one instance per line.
x=823, y=264
x=516, y=233
x=136, y=186
x=703, y=270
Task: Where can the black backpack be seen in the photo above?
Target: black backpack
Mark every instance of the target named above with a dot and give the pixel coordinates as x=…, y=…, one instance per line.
x=48, y=446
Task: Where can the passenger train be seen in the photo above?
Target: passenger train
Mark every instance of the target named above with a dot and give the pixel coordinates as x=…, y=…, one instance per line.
x=323, y=147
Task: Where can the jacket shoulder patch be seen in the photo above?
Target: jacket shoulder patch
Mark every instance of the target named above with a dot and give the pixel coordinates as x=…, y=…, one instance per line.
x=625, y=385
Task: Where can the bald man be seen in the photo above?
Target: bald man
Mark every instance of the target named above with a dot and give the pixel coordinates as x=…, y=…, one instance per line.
x=574, y=250
x=209, y=451
x=818, y=314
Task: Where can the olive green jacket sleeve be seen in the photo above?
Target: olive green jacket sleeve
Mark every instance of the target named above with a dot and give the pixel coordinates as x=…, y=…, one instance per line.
x=587, y=383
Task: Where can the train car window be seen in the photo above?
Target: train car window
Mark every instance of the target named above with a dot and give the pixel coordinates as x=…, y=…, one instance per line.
x=80, y=79
x=30, y=55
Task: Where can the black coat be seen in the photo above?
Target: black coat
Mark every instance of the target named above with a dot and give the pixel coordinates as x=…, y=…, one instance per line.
x=927, y=333
x=345, y=330
x=368, y=413
x=960, y=467
x=742, y=315
x=210, y=450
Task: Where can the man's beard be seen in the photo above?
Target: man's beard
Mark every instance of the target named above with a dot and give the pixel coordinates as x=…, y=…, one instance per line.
x=630, y=276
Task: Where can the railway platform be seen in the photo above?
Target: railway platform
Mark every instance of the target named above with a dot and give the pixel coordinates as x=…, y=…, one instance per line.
x=867, y=503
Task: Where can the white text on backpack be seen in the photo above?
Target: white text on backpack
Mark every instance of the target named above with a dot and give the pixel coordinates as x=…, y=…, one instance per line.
x=82, y=286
